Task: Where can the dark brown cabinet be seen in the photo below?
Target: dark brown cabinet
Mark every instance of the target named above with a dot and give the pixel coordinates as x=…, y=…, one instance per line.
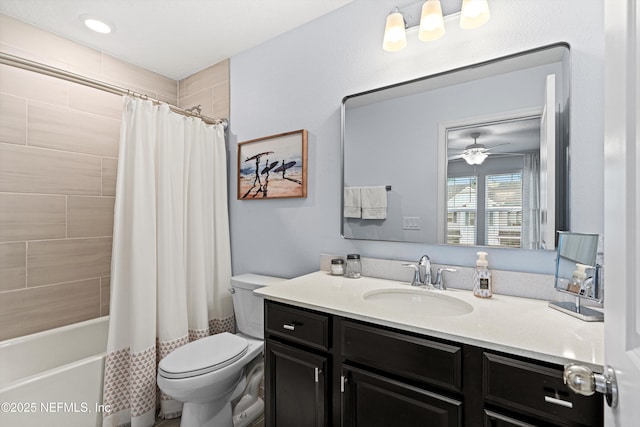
x=371, y=400
x=296, y=387
x=326, y=370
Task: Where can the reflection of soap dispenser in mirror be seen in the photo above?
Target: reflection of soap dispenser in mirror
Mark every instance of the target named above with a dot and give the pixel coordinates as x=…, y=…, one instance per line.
x=577, y=279
x=482, y=286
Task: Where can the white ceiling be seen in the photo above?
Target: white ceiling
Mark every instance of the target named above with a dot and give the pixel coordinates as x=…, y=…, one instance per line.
x=511, y=136
x=175, y=38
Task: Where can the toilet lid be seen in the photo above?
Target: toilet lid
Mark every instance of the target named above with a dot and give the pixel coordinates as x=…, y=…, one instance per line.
x=203, y=356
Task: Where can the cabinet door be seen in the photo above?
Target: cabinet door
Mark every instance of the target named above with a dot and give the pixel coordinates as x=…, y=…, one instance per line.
x=371, y=400
x=296, y=390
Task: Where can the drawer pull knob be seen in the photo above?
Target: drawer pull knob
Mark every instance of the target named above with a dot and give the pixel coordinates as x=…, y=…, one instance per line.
x=560, y=402
x=289, y=327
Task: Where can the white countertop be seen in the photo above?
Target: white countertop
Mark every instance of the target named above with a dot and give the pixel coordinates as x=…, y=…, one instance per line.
x=520, y=326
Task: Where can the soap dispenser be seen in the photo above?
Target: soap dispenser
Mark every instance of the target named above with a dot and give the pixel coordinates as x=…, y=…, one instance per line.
x=482, y=286
x=577, y=279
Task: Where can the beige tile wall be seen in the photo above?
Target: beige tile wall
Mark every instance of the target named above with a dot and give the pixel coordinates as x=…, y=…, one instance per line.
x=58, y=163
x=209, y=88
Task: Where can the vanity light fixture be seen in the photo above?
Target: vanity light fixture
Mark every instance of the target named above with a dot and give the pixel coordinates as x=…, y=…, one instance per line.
x=97, y=25
x=431, y=21
x=473, y=14
x=395, y=36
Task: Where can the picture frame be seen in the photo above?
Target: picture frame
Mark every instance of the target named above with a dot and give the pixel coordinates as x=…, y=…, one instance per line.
x=273, y=167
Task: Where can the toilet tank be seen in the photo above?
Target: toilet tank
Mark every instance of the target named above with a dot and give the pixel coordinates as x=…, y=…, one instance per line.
x=248, y=307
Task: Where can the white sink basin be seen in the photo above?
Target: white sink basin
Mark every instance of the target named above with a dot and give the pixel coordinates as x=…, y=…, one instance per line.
x=427, y=302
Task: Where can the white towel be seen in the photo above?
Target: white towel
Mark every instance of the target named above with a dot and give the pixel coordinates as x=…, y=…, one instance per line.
x=352, y=202
x=374, y=202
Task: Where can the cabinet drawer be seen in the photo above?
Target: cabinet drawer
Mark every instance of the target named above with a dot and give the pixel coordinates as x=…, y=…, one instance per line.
x=373, y=400
x=297, y=325
x=537, y=390
x=401, y=354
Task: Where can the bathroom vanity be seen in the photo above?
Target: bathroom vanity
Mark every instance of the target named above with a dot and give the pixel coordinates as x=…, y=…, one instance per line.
x=336, y=354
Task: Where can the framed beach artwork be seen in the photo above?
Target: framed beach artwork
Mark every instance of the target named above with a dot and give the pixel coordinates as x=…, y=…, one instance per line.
x=273, y=167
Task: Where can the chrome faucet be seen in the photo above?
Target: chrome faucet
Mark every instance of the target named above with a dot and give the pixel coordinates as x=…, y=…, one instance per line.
x=422, y=275
x=424, y=267
x=439, y=279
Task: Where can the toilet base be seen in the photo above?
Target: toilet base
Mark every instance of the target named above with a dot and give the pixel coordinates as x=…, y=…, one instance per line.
x=249, y=415
x=212, y=414
x=206, y=415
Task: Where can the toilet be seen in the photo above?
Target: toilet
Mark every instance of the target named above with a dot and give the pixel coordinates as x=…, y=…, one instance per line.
x=209, y=375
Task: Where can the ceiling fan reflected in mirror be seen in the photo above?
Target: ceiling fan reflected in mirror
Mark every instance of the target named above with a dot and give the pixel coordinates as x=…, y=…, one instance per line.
x=475, y=154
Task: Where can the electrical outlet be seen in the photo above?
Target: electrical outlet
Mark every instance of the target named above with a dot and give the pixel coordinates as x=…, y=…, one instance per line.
x=411, y=223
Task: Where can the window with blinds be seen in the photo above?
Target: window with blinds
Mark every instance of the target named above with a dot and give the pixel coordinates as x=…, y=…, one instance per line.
x=495, y=209
x=503, y=209
x=462, y=210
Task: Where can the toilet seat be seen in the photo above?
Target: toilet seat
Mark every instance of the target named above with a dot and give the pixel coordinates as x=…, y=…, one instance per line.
x=203, y=356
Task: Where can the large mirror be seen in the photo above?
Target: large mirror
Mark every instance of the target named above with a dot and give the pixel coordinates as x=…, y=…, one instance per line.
x=473, y=156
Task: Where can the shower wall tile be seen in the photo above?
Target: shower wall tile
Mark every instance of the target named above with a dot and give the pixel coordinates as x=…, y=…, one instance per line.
x=45, y=45
x=89, y=216
x=109, y=175
x=209, y=88
x=203, y=79
x=221, y=110
x=118, y=70
x=37, y=170
x=58, y=161
x=105, y=295
x=40, y=57
x=13, y=120
x=58, y=261
x=31, y=217
x=36, y=309
x=70, y=130
x=221, y=93
x=95, y=101
x=203, y=98
x=34, y=86
x=13, y=273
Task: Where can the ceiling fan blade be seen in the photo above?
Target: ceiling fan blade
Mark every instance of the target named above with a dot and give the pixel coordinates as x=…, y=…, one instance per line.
x=497, y=145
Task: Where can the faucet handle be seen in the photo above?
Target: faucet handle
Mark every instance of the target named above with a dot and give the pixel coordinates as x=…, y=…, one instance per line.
x=439, y=277
x=416, y=275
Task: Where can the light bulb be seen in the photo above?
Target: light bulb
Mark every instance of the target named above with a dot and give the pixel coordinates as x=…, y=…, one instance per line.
x=395, y=36
x=431, y=21
x=474, y=13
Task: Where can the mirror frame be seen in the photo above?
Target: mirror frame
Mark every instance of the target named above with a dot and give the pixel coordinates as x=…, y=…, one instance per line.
x=562, y=208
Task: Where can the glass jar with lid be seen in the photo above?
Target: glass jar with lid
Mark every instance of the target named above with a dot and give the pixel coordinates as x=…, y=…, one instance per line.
x=353, y=269
x=337, y=267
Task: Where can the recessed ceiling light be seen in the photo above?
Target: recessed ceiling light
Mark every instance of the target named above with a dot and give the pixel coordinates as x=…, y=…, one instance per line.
x=97, y=25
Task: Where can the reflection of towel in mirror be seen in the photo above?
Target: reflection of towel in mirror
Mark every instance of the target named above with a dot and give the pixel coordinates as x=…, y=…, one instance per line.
x=374, y=202
x=352, y=205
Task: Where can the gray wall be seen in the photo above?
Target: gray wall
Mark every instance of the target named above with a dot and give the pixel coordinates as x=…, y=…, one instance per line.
x=299, y=79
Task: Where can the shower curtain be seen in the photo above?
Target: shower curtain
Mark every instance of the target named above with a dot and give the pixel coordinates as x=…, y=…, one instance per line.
x=171, y=258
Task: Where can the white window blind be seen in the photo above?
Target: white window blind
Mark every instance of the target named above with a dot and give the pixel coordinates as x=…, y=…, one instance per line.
x=503, y=209
x=462, y=210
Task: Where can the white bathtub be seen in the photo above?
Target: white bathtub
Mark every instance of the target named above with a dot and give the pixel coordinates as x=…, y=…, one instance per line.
x=54, y=378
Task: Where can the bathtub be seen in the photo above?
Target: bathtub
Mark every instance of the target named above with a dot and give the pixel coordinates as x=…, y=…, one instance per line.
x=54, y=378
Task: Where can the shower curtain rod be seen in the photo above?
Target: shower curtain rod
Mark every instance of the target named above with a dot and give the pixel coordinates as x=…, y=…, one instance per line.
x=26, y=64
